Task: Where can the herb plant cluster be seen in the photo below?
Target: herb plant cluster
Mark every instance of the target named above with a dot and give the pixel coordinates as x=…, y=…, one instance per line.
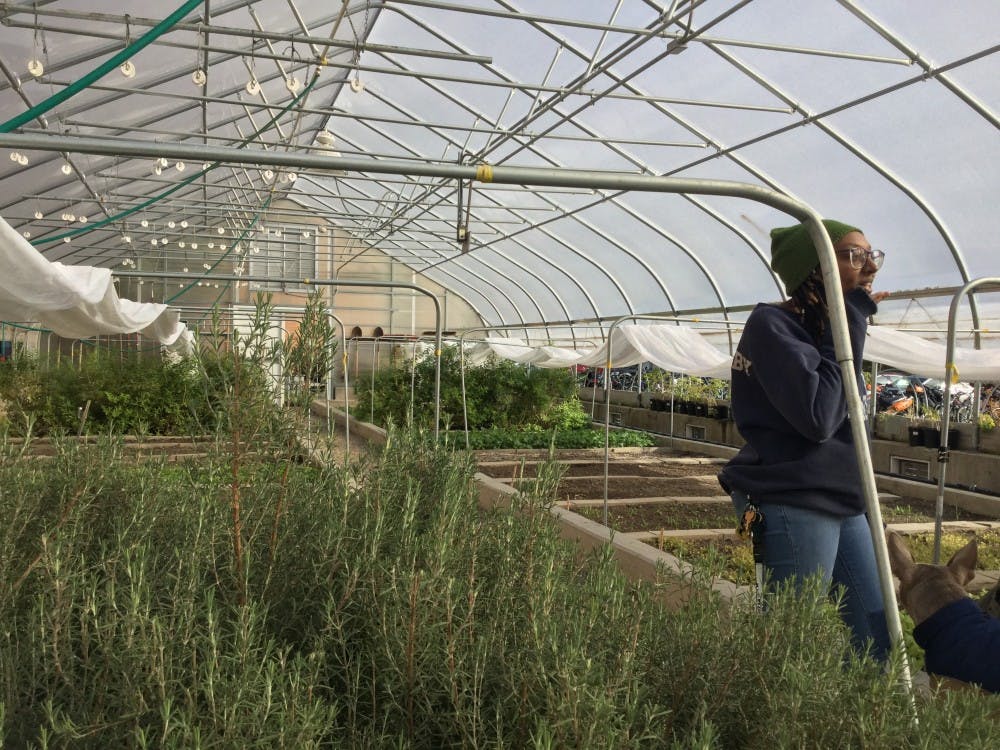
x=507, y=405
x=375, y=605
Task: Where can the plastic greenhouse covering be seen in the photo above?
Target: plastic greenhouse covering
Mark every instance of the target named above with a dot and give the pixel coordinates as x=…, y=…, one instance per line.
x=880, y=113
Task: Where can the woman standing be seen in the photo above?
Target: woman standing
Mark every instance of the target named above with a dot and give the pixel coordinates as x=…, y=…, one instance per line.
x=798, y=468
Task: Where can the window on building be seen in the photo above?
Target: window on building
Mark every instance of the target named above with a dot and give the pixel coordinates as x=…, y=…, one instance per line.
x=285, y=251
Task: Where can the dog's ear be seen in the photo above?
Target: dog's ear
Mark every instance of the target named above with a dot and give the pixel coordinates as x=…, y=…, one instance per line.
x=900, y=559
x=963, y=563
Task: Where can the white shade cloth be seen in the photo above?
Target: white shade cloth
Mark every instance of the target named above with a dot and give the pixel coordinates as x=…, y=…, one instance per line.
x=684, y=350
x=910, y=353
x=76, y=301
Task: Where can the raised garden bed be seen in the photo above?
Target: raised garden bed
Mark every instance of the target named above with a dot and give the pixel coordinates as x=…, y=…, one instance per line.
x=719, y=514
x=512, y=469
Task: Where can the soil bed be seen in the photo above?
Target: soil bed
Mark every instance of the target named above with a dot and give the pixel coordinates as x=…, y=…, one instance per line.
x=592, y=488
x=720, y=515
x=732, y=558
x=510, y=470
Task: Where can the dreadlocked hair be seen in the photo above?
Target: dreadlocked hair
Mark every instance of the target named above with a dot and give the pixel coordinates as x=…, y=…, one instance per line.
x=810, y=304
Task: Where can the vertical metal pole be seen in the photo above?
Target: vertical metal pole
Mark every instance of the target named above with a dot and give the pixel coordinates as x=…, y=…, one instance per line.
x=374, y=358
x=873, y=399
x=951, y=375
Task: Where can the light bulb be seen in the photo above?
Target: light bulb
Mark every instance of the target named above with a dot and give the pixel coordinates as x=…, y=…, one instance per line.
x=184, y=270
x=305, y=235
x=211, y=245
x=22, y=160
x=66, y=239
x=292, y=177
x=70, y=217
x=184, y=224
x=206, y=266
x=164, y=241
x=126, y=239
x=66, y=169
x=170, y=225
x=206, y=166
x=277, y=232
x=181, y=244
x=14, y=155
x=267, y=174
x=216, y=286
x=35, y=67
x=253, y=87
x=180, y=166
x=38, y=214
x=163, y=161
x=222, y=247
x=153, y=242
x=144, y=223
x=194, y=245
x=221, y=230
x=325, y=138
x=199, y=78
x=127, y=69
x=124, y=263
x=27, y=234
x=83, y=219
x=157, y=169
x=256, y=249
x=140, y=282
x=293, y=84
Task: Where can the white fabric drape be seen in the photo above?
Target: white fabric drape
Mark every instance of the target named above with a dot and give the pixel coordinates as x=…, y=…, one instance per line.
x=684, y=350
x=910, y=353
x=76, y=301
x=673, y=348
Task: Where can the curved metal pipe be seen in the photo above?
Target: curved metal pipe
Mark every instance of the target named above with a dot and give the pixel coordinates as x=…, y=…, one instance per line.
x=950, y=375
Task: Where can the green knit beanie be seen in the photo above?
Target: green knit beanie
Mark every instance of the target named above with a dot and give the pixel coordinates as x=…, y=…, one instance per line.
x=793, y=256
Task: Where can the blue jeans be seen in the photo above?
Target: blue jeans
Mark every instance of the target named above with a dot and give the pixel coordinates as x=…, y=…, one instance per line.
x=799, y=543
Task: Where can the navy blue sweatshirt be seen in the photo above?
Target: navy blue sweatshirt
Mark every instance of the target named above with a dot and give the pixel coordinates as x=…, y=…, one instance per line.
x=963, y=642
x=788, y=403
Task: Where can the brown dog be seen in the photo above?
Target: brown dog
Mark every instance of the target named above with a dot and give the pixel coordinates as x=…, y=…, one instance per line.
x=959, y=639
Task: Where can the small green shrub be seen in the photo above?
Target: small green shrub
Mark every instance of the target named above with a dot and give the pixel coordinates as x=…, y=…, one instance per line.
x=379, y=606
x=539, y=439
x=499, y=394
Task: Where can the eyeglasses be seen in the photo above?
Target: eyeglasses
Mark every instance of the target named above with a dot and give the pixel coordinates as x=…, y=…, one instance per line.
x=860, y=257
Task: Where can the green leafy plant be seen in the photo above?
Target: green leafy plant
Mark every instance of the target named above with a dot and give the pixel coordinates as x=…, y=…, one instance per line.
x=498, y=438
x=383, y=607
x=307, y=353
x=499, y=394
